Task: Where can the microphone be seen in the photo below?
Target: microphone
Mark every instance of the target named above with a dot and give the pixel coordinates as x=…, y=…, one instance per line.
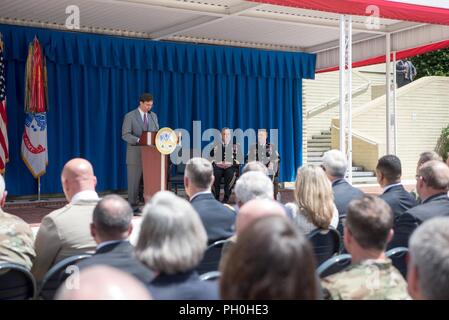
x=154, y=122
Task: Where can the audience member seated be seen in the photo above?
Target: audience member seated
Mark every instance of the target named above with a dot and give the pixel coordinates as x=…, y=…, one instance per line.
x=423, y=158
x=432, y=183
x=335, y=166
x=314, y=207
x=253, y=185
x=388, y=173
x=255, y=166
x=65, y=232
x=111, y=228
x=271, y=260
x=102, y=283
x=16, y=237
x=249, y=213
x=428, y=275
x=371, y=276
x=217, y=219
x=246, y=184
x=172, y=242
x=226, y=158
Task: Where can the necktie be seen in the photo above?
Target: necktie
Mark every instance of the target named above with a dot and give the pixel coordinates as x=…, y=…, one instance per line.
x=145, y=121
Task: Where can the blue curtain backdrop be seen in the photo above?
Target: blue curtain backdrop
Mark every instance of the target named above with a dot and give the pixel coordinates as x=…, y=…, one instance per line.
x=94, y=80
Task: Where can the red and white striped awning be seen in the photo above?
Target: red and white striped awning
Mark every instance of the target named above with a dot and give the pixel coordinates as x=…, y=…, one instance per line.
x=406, y=43
x=426, y=11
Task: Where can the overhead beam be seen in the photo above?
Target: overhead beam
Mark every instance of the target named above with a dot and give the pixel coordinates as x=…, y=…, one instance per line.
x=240, y=10
x=184, y=27
x=306, y=21
x=336, y=43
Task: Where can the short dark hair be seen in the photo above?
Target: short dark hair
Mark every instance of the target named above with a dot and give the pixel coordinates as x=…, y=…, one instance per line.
x=145, y=97
x=369, y=220
x=390, y=166
x=271, y=259
x=112, y=216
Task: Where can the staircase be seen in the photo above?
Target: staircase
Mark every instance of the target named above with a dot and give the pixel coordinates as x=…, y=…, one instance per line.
x=319, y=144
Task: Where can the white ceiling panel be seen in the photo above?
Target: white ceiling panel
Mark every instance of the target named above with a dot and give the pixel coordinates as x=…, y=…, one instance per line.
x=251, y=30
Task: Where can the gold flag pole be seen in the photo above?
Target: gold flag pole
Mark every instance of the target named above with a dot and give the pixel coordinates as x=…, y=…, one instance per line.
x=38, y=188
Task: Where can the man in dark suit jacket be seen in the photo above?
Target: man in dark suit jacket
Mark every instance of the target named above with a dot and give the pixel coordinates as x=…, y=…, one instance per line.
x=432, y=183
x=388, y=172
x=110, y=228
x=226, y=158
x=335, y=166
x=218, y=220
x=135, y=122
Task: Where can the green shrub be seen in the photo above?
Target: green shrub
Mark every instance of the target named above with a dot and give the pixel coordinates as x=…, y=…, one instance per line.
x=442, y=147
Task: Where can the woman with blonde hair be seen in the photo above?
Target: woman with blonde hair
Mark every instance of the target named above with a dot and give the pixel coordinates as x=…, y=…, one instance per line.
x=314, y=206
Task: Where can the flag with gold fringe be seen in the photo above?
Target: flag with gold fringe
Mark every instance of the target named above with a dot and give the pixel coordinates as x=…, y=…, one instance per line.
x=34, y=138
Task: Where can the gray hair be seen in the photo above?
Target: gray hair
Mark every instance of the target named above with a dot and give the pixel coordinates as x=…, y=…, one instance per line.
x=335, y=163
x=428, y=156
x=429, y=252
x=200, y=172
x=435, y=174
x=255, y=166
x=172, y=238
x=253, y=185
x=112, y=216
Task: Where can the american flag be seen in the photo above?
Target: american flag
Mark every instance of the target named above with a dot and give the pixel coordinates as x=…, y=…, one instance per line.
x=4, y=154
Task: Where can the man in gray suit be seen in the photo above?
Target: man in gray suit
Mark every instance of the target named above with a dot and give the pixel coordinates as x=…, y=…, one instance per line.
x=135, y=122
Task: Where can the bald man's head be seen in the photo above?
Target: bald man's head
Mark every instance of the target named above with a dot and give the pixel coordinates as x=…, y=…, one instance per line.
x=254, y=209
x=102, y=283
x=77, y=175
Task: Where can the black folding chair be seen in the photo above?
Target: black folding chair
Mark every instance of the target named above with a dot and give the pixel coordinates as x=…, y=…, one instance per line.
x=325, y=243
x=334, y=265
x=16, y=282
x=399, y=258
x=210, y=276
x=57, y=275
x=176, y=176
x=212, y=257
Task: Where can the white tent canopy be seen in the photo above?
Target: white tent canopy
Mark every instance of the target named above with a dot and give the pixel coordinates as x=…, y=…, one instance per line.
x=228, y=22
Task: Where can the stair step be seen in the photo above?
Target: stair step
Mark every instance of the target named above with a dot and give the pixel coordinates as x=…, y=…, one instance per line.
x=319, y=142
x=322, y=137
x=356, y=168
x=317, y=148
x=363, y=174
x=314, y=159
x=315, y=153
x=364, y=180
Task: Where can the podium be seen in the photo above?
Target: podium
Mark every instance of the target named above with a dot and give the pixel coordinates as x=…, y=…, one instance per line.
x=154, y=165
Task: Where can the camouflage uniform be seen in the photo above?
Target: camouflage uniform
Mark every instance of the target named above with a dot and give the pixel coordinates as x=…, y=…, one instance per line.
x=368, y=280
x=16, y=240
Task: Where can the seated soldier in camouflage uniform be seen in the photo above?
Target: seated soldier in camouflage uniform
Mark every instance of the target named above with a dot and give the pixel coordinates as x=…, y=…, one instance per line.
x=368, y=228
x=16, y=237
